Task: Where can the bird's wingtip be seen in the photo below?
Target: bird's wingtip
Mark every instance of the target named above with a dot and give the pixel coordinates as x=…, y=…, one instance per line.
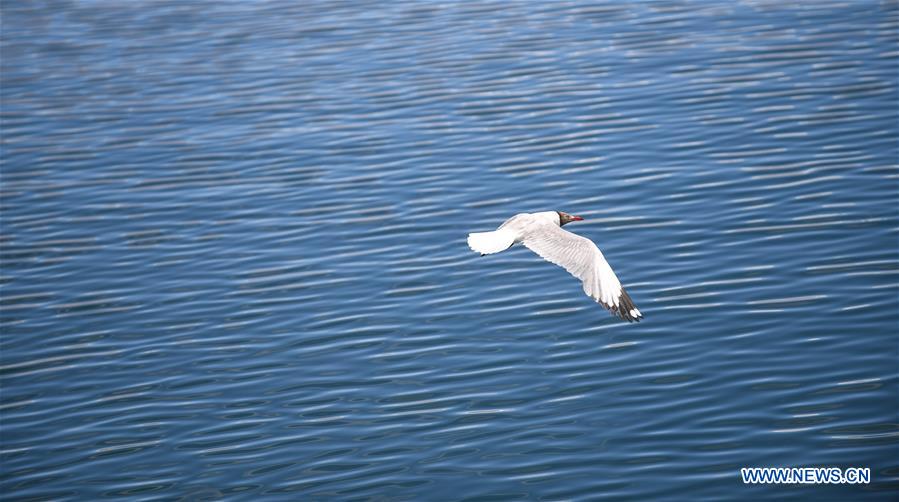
x=626, y=310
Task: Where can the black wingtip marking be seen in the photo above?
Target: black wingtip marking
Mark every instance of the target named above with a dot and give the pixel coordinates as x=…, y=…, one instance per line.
x=624, y=308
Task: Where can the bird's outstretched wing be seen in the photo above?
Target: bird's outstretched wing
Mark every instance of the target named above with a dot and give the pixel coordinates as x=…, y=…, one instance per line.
x=582, y=259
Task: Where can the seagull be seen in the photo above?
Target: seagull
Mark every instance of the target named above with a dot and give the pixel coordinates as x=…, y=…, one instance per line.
x=543, y=234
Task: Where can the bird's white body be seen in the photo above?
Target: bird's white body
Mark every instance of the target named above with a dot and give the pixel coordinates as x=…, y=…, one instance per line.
x=543, y=233
x=512, y=231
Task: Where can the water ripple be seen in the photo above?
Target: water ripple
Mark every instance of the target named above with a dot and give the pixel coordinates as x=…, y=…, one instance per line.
x=234, y=263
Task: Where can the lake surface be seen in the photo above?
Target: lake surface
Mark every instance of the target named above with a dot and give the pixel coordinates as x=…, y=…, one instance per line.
x=234, y=260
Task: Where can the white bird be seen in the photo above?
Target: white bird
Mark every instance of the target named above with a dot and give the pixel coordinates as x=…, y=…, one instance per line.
x=543, y=234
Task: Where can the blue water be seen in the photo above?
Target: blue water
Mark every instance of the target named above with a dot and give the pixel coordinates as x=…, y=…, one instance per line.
x=234, y=261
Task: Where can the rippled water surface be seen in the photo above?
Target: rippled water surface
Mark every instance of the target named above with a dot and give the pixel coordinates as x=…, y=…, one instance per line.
x=234, y=259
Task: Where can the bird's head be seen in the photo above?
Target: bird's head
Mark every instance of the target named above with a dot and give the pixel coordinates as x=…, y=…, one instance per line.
x=567, y=218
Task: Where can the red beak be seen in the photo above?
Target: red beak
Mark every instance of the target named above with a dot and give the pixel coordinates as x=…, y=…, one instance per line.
x=576, y=218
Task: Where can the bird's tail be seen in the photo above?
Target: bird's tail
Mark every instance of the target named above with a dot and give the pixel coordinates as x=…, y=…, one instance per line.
x=491, y=242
